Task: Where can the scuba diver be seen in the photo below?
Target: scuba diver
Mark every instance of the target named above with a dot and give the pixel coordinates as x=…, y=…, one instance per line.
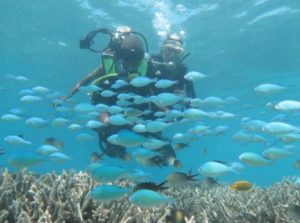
x=123, y=55
x=169, y=65
x=123, y=59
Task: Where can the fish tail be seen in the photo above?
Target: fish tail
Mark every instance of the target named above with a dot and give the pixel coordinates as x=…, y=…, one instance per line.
x=161, y=185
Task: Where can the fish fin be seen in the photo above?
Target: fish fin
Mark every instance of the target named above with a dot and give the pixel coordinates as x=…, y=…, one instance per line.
x=194, y=175
x=161, y=185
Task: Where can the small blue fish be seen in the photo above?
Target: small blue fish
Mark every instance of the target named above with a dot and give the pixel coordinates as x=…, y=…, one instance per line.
x=10, y=117
x=138, y=100
x=16, y=140
x=119, y=84
x=140, y=128
x=90, y=88
x=153, y=143
x=26, y=92
x=114, y=109
x=107, y=93
x=125, y=96
x=93, y=124
x=254, y=159
x=63, y=109
x=127, y=138
x=59, y=122
x=148, y=198
x=123, y=103
x=21, y=78
x=46, y=150
x=141, y=81
x=40, y=90
x=108, y=173
x=164, y=83
x=74, y=127
x=36, y=122
x=156, y=126
x=16, y=111
x=30, y=98
x=118, y=119
x=84, y=108
x=165, y=99
x=269, y=88
x=59, y=157
x=194, y=114
x=215, y=169
x=137, y=175
x=106, y=193
x=194, y=75
x=274, y=153
x=25, y=159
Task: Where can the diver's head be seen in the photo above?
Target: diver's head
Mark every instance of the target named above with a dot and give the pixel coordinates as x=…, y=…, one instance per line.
x=131, y=48
x=172, y=49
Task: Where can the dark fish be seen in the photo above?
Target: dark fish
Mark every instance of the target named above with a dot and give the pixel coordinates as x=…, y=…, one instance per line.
x=150, y=186
x=210, y=182
x=54, y=142
x=180, y=178
x=96, y=156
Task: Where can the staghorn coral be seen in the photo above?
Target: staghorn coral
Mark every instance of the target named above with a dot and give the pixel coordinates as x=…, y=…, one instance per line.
x=25, y=197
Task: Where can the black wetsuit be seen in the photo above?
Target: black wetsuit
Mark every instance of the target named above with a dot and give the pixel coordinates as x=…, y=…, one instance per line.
x=160, y=70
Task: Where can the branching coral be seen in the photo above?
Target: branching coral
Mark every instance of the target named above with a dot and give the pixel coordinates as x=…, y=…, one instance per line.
x=65, y=197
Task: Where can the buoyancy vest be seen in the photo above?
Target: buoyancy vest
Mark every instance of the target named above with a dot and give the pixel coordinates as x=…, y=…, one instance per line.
x=110, y=70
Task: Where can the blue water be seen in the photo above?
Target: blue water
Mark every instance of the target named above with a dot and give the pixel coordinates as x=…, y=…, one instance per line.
x=239, y=44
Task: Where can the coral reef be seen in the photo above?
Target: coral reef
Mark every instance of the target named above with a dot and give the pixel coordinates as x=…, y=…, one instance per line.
x=27, y=197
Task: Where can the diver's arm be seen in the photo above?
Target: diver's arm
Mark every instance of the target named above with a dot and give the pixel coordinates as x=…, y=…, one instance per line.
x=88, y=79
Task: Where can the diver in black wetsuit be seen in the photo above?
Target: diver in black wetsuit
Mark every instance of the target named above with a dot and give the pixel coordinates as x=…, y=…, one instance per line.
x=169, y=65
